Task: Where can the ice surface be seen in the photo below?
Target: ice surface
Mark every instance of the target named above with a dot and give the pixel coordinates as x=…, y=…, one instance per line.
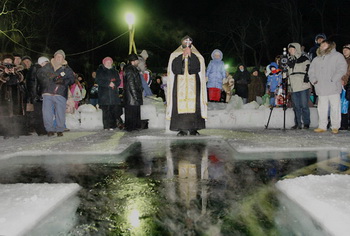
x=23, y=206
x=325, y=198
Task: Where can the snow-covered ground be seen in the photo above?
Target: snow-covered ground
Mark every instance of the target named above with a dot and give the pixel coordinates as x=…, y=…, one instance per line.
x=24, y=206
x=326, y=199
x=232, y=115
x=242, y=129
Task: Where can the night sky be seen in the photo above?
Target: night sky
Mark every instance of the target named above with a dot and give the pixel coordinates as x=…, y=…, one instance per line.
x=249, y=31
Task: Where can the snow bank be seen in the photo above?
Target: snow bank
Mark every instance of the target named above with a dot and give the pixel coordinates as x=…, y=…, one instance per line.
x=230, y=115
x=24, y=206
x=324, y=198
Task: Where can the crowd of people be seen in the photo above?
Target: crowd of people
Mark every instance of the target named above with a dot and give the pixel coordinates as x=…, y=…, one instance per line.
x=305, y=79
x=35, y=96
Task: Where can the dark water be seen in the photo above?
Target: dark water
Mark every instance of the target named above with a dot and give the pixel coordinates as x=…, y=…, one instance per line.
x=168, y=188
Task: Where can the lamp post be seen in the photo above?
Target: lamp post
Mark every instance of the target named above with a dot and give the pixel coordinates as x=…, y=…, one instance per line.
x=130, y=19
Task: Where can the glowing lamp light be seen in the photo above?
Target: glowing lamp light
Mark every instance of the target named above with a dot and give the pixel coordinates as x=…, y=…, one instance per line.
x=134, y=218
x=130, y=19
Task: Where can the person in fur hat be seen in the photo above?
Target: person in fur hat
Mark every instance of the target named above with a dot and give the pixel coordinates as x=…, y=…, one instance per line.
x=187, y=90
x=326, y=72
x=133, y=98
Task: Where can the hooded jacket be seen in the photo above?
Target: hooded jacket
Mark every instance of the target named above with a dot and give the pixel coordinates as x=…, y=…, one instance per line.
x=326, y=71
x=274, y=79
x=216, y=71
x=242, y=79
x=297, y=70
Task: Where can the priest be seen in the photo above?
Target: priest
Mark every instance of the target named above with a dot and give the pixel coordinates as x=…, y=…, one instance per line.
x=187, y=92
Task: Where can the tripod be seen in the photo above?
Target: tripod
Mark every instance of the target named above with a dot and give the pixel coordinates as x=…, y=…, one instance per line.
x=284, y=85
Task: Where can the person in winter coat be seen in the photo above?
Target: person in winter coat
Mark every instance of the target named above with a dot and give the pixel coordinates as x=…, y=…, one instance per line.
x=133, y=98
x=344, y=124
x=107, y=78
x=93, y=95
x=274, y=81
x=318, y=40
x=298, y=67
x=56, y=78
x=326, y=72
x=35, y=95
x=256, y=87
x=157, y=88
x=242, y=79
x=12, y=92
x=215, y=73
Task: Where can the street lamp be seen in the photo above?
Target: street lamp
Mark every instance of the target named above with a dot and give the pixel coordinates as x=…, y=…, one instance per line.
x=130, y=19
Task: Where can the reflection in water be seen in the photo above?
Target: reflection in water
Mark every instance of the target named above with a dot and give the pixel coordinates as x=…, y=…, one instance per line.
x=178, y=187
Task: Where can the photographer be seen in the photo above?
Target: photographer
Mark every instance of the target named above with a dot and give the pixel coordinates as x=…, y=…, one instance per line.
x=56, y=77
x=12, y=119
x=298, y=65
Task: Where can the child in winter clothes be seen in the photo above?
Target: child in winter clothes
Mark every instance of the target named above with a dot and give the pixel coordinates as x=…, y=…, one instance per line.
x=76, y=90
x=215, y=73
x=228, y=85
x=274, y=81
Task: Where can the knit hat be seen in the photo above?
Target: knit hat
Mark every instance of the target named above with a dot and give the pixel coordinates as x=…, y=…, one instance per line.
x=42, y=60
x=346, y=46
x=60, y=52
x=322, y=36
x=255, y=69
x=144, y=54
x=26, y=58
x=106, y=59
x=132, y=57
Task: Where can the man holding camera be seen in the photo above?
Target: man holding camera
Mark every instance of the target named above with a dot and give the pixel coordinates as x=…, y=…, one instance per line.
x=326, y=72
x=12, y=92
x=56, y=77
x=298, y=66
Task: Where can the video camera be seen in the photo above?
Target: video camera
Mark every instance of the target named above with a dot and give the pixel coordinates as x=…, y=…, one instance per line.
x=8, y=65
x=284, y=60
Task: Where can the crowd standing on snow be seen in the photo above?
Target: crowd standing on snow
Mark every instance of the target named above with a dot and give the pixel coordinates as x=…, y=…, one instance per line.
x=36, y=95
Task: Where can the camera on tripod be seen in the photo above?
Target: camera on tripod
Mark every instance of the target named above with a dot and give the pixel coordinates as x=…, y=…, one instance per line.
x=281, y=96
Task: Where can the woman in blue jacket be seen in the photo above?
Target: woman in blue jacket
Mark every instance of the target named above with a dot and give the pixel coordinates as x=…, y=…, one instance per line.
x=215, y=73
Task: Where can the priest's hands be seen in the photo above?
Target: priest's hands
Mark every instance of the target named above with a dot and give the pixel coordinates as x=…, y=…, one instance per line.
x=187, y=52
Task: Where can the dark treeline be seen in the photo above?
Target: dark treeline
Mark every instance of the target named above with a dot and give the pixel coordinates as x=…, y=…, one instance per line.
x=250, y=32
